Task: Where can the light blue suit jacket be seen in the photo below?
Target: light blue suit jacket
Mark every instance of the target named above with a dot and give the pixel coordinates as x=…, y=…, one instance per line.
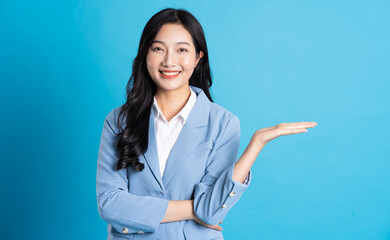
x=200, y=166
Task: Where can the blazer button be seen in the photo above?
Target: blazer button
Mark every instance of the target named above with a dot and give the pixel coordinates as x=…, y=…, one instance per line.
x=232, y=194
x=125, y=230
x=223, y=206
x=140, y=232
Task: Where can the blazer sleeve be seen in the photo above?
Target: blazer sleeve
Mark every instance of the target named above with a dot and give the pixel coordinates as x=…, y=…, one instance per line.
x=217, y=192
x=124, y=211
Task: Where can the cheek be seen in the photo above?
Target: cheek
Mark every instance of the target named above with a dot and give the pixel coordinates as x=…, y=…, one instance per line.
x=150, y=66
x=151, y=61
x=188, y=62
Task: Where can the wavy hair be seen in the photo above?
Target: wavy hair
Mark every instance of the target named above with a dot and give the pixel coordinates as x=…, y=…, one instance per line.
x=132, y=140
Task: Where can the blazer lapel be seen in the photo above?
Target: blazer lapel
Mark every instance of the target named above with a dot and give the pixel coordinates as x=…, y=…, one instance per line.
x=188, y=137
x=187, y=140
x=151, y=154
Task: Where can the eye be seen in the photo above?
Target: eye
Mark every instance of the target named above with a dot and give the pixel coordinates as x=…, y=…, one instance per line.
x=183, y=50
x=156, y=49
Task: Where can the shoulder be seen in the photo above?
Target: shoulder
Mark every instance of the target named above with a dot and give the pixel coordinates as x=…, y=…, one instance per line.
x=114, y=112
x=224, y=117
x=224, y=125
x=217, y=112
x=112, y=118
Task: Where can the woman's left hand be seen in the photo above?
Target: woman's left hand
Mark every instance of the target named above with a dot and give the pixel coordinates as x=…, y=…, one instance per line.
x=267, y=134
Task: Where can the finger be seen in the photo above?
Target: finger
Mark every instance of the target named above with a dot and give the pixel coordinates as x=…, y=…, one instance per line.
x=302, y=124
x=220, y=222
x=309, y=123
x=299, y=125
x=306, y=122
x=293, y=131
x=215, y=227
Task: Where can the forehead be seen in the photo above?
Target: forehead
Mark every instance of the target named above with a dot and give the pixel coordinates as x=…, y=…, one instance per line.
x=171, y=33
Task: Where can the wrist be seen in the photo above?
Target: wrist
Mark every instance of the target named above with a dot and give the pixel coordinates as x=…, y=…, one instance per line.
x=256, y=141
x=192, y=215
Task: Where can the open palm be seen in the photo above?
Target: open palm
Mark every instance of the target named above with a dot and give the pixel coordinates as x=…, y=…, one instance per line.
x=267, y=134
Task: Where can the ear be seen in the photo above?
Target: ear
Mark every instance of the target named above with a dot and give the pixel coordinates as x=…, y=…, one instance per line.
x=199, y=56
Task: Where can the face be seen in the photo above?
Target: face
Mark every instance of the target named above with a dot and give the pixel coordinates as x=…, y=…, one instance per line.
x=171, y=58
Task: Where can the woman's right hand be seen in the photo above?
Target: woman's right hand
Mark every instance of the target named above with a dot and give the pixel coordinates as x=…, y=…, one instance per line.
x=215, y=227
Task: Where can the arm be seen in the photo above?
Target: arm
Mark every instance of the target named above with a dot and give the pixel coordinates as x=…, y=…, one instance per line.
x=116, y=205
x=244, y=164
x=184, y=210
x=178, y=211
x=211, y=193
x=218, y=191
x=260, y=139
x=122, y=209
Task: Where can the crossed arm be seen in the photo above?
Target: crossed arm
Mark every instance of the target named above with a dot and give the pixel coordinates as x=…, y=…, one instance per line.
x=184, y=210
x=212, y=196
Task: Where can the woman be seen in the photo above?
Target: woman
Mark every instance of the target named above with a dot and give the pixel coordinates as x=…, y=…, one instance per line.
x=167, y=159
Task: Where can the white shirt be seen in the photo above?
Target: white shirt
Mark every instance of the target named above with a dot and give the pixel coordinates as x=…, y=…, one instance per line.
x=167, y=132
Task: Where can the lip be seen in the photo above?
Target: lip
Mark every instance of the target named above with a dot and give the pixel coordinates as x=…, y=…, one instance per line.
x=170, y=76
x=169, y=70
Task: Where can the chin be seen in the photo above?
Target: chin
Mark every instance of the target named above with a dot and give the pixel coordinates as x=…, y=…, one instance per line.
x=169, y=86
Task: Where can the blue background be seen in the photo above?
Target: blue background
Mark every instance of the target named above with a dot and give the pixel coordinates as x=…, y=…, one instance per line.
x=65, y=65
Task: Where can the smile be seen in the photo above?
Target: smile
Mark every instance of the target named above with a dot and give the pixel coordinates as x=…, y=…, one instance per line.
x=169, y=74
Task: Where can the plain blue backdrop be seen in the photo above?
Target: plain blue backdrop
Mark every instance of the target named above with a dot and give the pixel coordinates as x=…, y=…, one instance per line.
x=65, y=65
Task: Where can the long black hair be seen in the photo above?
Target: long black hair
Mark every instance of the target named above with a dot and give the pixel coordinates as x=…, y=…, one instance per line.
x=132, y=141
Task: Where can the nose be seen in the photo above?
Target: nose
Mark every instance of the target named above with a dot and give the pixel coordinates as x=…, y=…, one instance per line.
x=169, y=60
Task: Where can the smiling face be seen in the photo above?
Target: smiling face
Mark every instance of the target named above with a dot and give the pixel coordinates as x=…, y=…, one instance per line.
x=172, y=57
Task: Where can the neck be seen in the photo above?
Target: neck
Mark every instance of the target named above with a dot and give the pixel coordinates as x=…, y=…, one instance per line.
x=171, y=102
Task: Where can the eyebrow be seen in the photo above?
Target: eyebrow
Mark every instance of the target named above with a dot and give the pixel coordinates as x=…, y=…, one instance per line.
x=157, y=41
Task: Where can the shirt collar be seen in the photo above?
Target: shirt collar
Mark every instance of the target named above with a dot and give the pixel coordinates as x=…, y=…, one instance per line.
x=184, y=112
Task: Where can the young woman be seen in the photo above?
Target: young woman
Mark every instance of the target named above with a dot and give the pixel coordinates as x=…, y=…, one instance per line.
x=167, y=164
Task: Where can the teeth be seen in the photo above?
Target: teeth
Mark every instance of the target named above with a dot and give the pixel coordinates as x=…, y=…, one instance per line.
x=170, y=73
